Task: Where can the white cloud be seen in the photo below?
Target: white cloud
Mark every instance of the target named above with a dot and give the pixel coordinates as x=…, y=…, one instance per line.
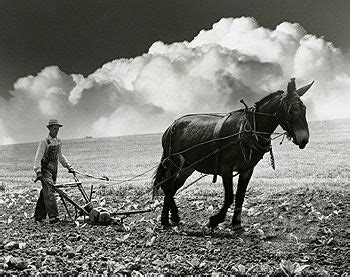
x=318, y=58
x=130, y=120
x=81, y=84
x=235, y=59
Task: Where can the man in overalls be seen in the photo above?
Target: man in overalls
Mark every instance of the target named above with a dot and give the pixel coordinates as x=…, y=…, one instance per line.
x=48, y=155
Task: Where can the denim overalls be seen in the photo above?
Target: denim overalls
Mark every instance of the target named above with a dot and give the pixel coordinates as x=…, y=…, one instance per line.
x=46, y=204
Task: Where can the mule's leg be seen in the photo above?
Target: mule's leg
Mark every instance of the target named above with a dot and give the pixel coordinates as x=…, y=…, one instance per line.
x=243, y=181
x=169, y=189
x=179, y=182
x=165, y=211
x=174, y=211
x=228, y=189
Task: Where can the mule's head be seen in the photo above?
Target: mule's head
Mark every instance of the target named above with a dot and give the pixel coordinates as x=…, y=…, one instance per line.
x=293, y=114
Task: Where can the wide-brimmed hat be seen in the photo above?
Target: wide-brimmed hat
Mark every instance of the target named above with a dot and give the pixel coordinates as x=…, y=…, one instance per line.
x=53, y=122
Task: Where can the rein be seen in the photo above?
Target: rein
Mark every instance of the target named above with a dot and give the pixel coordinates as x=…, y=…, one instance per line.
x=254, y=142
x=256, y=134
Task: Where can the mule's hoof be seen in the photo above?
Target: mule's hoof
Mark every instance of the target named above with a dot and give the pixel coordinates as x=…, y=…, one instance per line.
x=212, y=225
x=175, y=223
x=238, y=229
x=167, y=226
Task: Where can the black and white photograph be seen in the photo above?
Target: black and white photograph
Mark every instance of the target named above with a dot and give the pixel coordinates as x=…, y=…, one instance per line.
x=174, y=137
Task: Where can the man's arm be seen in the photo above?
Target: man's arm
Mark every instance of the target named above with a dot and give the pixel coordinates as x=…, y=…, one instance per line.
x=39, y=155
x=61, y=158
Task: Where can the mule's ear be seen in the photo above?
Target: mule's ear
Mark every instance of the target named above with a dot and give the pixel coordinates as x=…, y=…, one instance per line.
x=291, y=86
x=301, y=91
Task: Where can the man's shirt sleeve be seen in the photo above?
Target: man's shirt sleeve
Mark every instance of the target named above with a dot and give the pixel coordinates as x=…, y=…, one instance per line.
x=39, y=155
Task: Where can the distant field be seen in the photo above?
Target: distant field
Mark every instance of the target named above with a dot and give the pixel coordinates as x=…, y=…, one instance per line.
x=325, y=162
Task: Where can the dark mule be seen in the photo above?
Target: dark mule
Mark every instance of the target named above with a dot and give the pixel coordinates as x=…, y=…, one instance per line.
x=244, y=137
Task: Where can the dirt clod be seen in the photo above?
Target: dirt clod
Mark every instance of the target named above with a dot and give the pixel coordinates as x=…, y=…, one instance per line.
x=17, y=263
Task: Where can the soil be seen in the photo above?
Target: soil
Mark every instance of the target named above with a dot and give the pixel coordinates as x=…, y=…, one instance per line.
x=297, y=231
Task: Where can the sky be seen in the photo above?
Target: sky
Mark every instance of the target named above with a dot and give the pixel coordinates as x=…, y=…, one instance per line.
x=109, y=68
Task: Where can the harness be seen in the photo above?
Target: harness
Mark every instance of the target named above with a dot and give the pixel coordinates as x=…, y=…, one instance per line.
x=248, y=126
x=216, y=145
x=253, y=139
x=248, y=136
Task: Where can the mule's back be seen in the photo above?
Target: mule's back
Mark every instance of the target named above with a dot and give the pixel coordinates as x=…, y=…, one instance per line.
x=195, y=133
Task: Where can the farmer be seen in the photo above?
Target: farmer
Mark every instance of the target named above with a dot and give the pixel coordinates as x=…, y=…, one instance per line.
x=45, y=166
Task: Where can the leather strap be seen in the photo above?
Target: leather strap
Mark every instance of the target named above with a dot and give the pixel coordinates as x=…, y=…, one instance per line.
x=216, y=145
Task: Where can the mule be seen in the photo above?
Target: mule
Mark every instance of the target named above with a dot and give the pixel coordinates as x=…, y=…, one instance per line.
x=243, y=139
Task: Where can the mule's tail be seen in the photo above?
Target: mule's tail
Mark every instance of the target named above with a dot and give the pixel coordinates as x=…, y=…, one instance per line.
x=159, y=176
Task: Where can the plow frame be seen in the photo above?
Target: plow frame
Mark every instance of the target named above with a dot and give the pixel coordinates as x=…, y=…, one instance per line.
x=58, y=188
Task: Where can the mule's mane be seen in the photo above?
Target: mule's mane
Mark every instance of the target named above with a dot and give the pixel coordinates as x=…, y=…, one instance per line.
x=268, y=98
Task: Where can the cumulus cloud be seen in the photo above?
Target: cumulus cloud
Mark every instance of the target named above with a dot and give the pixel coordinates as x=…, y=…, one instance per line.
x=237, y=58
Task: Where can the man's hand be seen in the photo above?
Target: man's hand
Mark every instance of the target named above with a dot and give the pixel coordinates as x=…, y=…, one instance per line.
x=39, y=176
x=71, y=170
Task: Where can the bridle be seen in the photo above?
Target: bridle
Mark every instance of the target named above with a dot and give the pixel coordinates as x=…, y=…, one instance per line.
x=285, y=123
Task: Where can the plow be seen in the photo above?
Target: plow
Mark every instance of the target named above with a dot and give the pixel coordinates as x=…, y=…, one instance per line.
x=96, y=214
